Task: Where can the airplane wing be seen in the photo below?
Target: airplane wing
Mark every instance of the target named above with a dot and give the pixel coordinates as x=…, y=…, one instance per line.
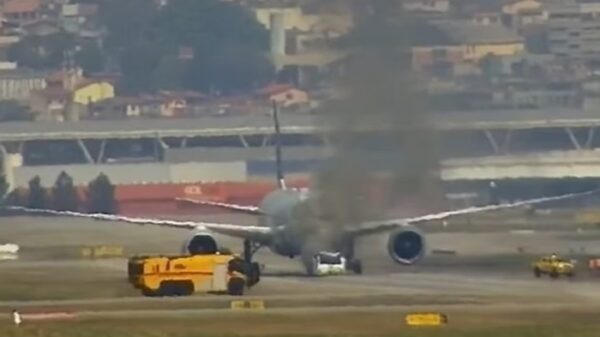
x=372, y=227
x=264, y=234
x=258, y=233
x=253, y=210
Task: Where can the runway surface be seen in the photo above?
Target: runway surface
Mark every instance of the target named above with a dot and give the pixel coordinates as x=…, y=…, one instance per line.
x=486, y=268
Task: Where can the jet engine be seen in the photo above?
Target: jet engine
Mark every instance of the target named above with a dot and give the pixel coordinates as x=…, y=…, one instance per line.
x=200, y=244
x=406, y=245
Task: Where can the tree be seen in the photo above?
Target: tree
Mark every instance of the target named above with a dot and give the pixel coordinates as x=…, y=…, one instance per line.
x=64, y=193
x=11, y=110
x=42, y=52
x=101, y=195
x=37, y=194
x=209, y=23
x=169, y=73
x=90, y=58
x=3, y=189
x=49, y=52
x=138, y=62
x=125, y=21
x=230, y=68
x=229, y=47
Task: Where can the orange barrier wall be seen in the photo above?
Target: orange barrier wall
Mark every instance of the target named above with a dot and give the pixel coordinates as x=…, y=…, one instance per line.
x=161, y=198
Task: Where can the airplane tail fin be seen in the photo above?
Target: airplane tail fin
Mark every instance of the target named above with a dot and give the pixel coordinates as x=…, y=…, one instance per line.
x=278, y=163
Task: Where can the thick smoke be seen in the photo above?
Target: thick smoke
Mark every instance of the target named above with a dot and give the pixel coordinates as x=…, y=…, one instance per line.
x=377, y=127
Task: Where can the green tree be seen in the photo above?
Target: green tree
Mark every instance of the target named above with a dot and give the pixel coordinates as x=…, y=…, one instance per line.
x=90, y=58
x=3, y=189
x=64, y=193
x=229, y=47
x=169, y=73
x=138, y=63
x=49, y=52
x=101, y=196
x=42, y=52
x=209, y=23
x=37, y=194
x=11, y=110
x=15, y=198
x=230, y=68
x=125, y=21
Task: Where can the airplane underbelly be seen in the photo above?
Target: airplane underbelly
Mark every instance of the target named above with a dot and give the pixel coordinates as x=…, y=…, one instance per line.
x=286, y=246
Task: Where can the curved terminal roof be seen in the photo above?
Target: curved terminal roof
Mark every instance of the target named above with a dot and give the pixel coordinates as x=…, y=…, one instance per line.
x=291, y=124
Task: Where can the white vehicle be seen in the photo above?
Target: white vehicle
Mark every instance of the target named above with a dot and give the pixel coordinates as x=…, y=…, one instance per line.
x=9, y=251
x=328, y=263
x=9, y=248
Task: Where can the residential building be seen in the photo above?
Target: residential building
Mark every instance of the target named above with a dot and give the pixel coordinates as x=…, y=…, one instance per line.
x=457, y=47
x=6, y=41
x=68, y=95
x=589, y=6
x=479, y=41
x=76, y=16
x=518, y=6
x=294, y=18
x=50, y=104
x=92, y=91
x=22, y=11
x=524, y=12
x=530, y=17
x=528, y=94
x=428, y=57
x=309, y=68
x=66, y=79
x=17, y=84
x=487, y=18
x=572, y=33
x=426, y=6
x=42, y=27
x=285, y=95
x=126, y=107
x=164, y=104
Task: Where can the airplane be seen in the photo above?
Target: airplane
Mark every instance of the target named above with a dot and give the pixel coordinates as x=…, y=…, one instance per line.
x=280, y=229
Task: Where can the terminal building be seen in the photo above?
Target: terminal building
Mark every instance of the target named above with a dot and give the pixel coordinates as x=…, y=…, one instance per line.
x=554, y=150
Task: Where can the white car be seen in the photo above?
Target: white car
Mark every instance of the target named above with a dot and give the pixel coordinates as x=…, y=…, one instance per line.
x=9, y=251
x=327, y=263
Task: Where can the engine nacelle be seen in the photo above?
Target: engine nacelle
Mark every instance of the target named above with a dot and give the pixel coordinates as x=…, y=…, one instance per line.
x=200, y=244
x=406, y=245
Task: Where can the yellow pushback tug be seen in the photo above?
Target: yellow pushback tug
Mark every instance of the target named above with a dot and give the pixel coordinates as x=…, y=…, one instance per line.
x=211, y=272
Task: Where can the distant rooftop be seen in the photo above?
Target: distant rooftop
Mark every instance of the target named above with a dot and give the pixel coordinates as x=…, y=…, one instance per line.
x=21, y=73
x=21, y=6
x=461, y=32
x=313, y=58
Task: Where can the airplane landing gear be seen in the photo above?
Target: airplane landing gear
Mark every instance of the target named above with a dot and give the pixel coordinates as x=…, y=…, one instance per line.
x=355, y=265
x=251, y=269
x=250, y=248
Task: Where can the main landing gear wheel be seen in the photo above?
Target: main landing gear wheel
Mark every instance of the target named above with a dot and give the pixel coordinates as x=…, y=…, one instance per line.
x=355, y=266
x=235, y=287
x=251, y=269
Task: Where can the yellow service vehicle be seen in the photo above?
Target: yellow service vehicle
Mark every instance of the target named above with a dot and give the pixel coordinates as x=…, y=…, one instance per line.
x=553, y=266
x=184, y=275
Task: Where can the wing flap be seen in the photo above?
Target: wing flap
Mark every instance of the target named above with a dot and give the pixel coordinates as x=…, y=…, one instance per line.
x=240, y=231
x=381, y=226
x=254, y=210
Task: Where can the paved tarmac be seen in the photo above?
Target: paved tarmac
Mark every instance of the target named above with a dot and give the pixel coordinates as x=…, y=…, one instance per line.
x=483, y=267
